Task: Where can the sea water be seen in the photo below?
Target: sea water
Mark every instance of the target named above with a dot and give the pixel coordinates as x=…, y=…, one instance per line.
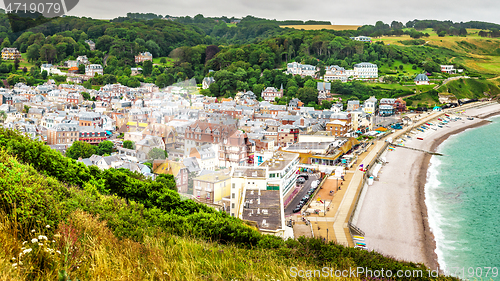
x=463, y=202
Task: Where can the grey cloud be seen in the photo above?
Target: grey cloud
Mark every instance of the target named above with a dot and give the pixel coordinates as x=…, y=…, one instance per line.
x=338, y=12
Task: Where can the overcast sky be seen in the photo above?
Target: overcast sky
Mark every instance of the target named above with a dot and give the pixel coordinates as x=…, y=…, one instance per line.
x=356, y=12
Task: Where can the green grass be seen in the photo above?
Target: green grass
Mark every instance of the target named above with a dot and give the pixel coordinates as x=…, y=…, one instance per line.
x=396, y=86
x=422, y=99
x=471, y=88
x=406, y=67
x=113, y=238
x=461, y=89
x=231, y=25
x=22, y=63
x=170, y=61
x=102, y=248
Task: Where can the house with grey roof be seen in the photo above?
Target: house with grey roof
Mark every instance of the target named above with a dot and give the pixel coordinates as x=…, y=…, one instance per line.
x=207, y=81
x=421, y=79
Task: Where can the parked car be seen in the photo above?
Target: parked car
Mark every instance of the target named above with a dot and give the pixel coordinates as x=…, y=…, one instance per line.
x=301, y=180
x=296, y=210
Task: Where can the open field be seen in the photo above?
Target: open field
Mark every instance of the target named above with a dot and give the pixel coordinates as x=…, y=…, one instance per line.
x=485, y=64
x=22, y=63
x=170, y=61
x=319, y=27
x=479, y=54
x=406, y=71
x=434, y=39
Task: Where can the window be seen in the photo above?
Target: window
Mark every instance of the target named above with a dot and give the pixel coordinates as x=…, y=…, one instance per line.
x=233, y=196
x=232, y=207
x=198, y=193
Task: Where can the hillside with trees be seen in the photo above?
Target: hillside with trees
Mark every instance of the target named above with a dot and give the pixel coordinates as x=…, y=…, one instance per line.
x=249, y=55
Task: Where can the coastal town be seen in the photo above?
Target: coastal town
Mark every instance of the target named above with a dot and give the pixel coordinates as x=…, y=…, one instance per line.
x=182, y=146
x=279, y=167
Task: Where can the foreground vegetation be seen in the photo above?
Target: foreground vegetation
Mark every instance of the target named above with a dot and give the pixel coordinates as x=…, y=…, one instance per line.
x=104, y=223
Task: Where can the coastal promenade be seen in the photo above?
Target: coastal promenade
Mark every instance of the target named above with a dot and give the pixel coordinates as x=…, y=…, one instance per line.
x=345, y=202
x=348, y=203
x=393, y=212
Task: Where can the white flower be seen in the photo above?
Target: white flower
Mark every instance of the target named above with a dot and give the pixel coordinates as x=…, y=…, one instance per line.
x=40, y=244
x=25, y=242
x=34, y=240
x=13, y=259
x=53, y=241
x=42, y=237
x=32, y=230
x=27, y=251
x=47, y=226
x=14, y=264
x=59, y=252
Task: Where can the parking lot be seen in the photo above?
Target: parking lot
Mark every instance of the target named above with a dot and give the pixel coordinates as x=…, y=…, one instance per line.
x=301, y=194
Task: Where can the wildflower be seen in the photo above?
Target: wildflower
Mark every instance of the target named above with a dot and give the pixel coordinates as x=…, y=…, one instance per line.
x=32, y=230
x=13, y=259
x=27, y=251
x=40, y=237
x=53, y=241
x=25, y=242
x=34, y=240
x=14, y=265
x=59, y=252
x=47, y=226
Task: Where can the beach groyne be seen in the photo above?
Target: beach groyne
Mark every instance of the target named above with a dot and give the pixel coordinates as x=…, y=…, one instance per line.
x=393, y=213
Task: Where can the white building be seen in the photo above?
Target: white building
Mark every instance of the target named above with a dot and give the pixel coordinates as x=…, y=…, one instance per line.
x=421, y=79
x=51, y=70
x=281, y=172
x=82, y=60
x=92, y=69
x=241, y=179
x=370, y=105
x=361, y=38
x=303, y=70
x=450, y=69
x=335, y=72
x=365, y=70
x=361, y=71
x=206, y=155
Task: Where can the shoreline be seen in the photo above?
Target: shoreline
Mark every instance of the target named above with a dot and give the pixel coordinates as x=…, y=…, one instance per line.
x=393, y=213
x=428, y=235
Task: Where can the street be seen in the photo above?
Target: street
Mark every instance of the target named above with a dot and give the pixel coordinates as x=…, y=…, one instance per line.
x=300, y=195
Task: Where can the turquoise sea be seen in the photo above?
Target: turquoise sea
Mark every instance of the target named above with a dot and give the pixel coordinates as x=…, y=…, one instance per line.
x=463, y=202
